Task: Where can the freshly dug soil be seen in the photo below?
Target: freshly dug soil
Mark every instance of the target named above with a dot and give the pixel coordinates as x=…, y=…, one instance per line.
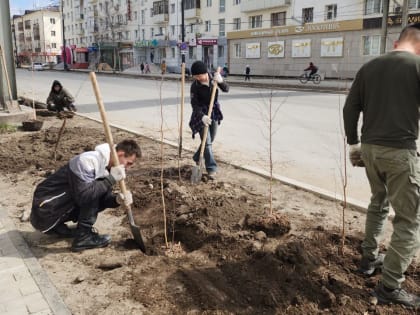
x=225, y=253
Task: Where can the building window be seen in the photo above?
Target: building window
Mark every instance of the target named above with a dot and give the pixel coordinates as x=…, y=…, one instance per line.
x=191, y=4
x=136, y=34
x=371, y=45
x=53, y=45
x=330, y=12
x=222, y=5
x=236, y=24
x=278, y=19
x=173, y=30
x=236, y=2
x=52, y=33
x=135, y=15
x=52, y=20
x=222, y=27
x=209, y=3
x=152, y=32
x=237, y=51
x=143, y=17
x=308, y=15
x=220, y=51
x=208, y=26
x=255, y=21
x=192, y=52
x=414, y=4
x=373, y=7
x=172, y=8
x=143, y=34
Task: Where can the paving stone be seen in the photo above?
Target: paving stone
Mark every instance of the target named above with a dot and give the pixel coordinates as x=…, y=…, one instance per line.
x=27, y=287
x=9, y=294
x=21, y=274
x=45, y=312
x=21, y=310
x=35, y=303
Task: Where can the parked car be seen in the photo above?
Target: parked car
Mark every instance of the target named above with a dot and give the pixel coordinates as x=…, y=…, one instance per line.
x=177, y=69
x=36, y=66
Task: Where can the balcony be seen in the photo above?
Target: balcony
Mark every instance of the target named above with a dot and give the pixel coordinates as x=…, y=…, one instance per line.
x=193, y=13
x=160, y=18
x=256, y=5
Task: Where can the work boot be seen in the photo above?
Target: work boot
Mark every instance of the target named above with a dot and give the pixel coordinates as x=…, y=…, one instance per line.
x=211, y=175
x=369, y=266
x=396, y=296
x=61, y=230
x=90, y=239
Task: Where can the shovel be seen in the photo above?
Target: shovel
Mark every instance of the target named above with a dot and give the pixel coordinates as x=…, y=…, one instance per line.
x=197, y=172
x=135, y=229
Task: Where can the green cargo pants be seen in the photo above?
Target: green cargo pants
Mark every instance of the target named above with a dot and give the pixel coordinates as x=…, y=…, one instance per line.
x=394, y=176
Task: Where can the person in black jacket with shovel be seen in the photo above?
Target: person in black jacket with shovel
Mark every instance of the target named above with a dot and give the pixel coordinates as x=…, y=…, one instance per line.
x=81, y=189
x=200, y=101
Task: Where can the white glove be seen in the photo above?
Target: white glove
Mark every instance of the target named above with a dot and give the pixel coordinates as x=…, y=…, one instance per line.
x=206, y=120
x=126, y=199
x=118, y=172
x=218, y=77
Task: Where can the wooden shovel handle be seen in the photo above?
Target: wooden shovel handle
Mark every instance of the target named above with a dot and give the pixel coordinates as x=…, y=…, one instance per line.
x=107, y=129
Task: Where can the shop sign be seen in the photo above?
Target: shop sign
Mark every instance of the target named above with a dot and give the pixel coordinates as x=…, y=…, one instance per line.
x=393, y=20
x=308, y=28
x=207, y=42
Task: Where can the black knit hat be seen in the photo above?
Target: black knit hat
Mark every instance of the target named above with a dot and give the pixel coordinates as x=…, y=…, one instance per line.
x=198, y=67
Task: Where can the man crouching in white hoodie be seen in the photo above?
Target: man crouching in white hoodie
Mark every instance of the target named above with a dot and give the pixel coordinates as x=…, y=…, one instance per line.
x=81, y=189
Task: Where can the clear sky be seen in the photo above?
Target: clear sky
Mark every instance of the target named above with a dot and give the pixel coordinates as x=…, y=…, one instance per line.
x=19, y=6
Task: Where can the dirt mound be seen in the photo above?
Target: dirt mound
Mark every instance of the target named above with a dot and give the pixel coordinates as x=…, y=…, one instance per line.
x=226, y=255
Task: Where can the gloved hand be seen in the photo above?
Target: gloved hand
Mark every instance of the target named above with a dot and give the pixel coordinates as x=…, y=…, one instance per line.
x=218, y=77
x=206, y=120
x=118, y=172
x=355, y=155
x=125, y=199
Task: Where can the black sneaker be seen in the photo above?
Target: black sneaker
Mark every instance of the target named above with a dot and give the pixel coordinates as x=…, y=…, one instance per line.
x=61, y=230
x=89, y=240
x=368, y=267
x=396, y=296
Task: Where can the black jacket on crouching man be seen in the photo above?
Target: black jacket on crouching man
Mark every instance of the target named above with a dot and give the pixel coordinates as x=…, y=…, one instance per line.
x=200, y=101
x=76, y=192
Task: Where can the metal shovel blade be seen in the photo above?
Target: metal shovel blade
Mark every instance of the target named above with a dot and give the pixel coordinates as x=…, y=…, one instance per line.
x=196, y=174
x=135, y=230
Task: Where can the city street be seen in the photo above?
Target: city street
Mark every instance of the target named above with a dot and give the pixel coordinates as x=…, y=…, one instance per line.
x=308, y=140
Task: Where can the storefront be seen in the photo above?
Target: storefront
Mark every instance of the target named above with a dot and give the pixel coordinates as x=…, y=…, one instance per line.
x=126, y=53
x=285, y=51
x=81, y=58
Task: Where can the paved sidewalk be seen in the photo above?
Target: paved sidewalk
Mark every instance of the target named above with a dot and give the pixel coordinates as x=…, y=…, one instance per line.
x=24, y=286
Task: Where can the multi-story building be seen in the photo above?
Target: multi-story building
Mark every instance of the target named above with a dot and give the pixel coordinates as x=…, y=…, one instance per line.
x=274, y=37
x=37, y=36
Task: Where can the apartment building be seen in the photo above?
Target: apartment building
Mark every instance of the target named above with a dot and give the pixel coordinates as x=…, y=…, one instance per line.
x=274, y=37
x=37, y=36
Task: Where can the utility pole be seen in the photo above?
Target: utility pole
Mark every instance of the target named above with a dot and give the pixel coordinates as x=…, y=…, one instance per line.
x=404, y=17
x=384, y=32
x=6, y=44
x=66, y=67
x=182, y=29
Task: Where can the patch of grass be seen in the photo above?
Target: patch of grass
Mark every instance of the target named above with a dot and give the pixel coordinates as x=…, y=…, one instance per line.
x=5, y=128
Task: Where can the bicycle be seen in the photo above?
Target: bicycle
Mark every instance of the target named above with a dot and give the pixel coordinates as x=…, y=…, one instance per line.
x=315, y=78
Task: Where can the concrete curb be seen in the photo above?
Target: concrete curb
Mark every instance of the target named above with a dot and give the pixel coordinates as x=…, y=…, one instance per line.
x=41, y=278
x=354, y=203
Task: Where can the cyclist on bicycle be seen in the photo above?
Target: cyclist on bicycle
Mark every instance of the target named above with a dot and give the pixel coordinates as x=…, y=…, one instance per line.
x=312, y=68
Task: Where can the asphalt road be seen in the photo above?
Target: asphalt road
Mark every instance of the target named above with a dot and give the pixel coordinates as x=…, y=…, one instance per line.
x=308, y=141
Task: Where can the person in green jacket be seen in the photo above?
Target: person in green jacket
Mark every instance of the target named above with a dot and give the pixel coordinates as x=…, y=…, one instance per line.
x=59, y=98
x=387, y=91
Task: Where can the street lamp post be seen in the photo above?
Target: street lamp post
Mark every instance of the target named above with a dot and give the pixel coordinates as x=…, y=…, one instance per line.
x=182, y=28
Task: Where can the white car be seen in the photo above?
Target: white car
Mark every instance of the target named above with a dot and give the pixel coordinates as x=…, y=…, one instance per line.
x=36, y=66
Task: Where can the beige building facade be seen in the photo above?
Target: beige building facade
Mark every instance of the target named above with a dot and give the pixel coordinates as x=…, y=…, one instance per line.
x=37, y=36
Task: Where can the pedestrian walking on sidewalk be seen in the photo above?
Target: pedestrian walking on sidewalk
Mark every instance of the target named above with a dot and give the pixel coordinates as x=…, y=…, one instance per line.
x=147, y=68
x=200, y=100
x=386, y=91
x=163, y=67
x=81, y=189
x=247, y=73
x=142, y=67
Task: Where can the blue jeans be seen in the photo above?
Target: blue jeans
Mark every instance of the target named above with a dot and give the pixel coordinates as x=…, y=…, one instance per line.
x=211, y=165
